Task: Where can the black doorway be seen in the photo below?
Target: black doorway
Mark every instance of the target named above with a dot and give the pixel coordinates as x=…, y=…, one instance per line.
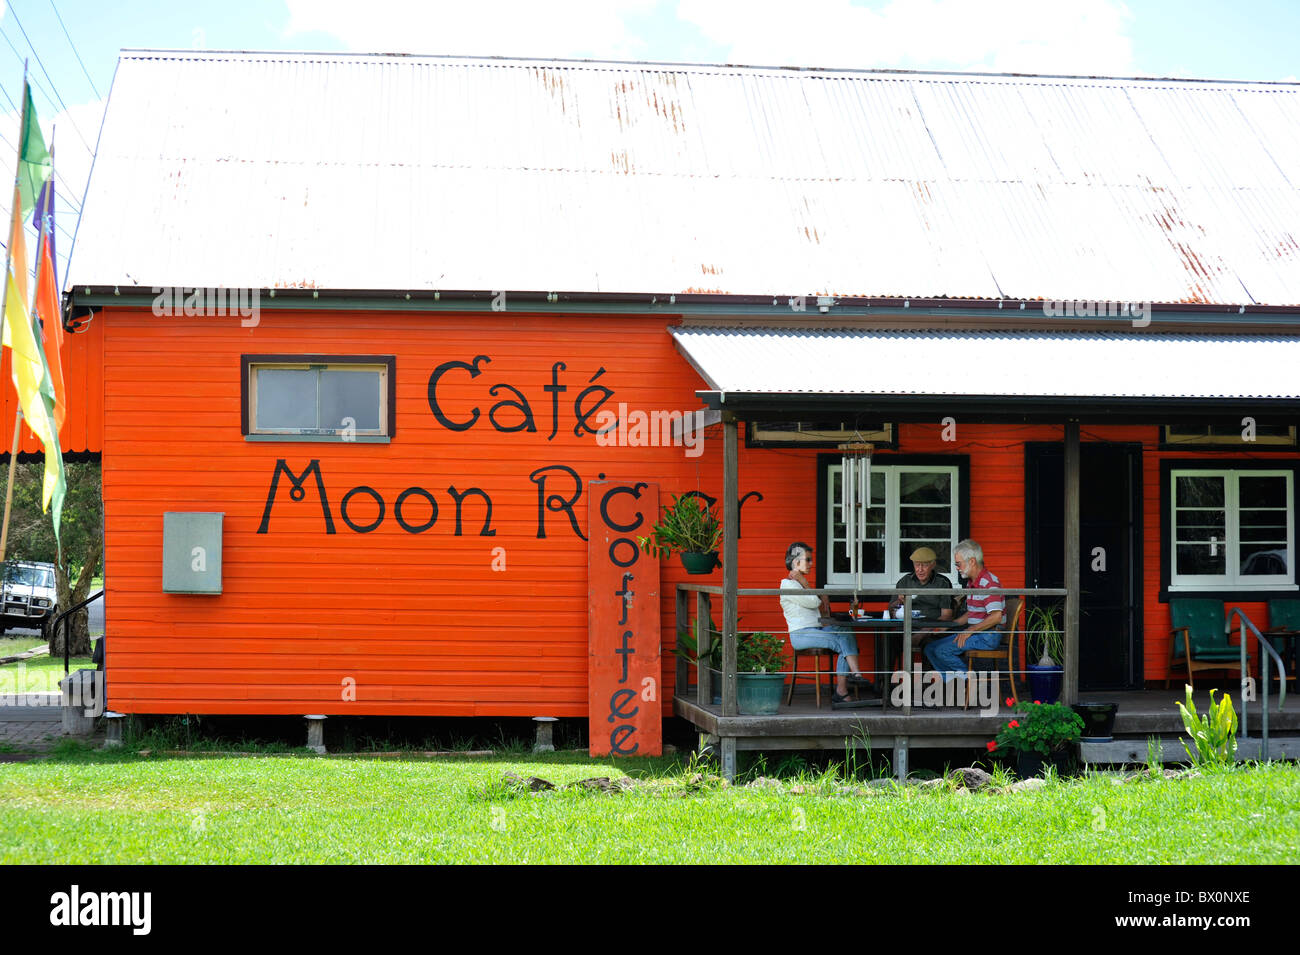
x=1110, y=559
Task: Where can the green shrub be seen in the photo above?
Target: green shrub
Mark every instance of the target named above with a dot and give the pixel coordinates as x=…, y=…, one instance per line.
x=1214, y=734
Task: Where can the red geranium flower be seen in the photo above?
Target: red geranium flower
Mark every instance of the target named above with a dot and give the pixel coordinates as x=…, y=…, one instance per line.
x=1010, y=702
x=1014, y=723
x=992, y=745
x=1038, y=702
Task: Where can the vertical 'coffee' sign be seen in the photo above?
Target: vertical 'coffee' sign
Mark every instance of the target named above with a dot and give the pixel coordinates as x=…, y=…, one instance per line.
x=623, y=667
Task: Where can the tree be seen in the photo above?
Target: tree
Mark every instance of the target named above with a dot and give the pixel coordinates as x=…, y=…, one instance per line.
x=31, y=537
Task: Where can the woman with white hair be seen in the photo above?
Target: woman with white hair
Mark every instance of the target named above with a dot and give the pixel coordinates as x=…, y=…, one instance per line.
x=802, y=617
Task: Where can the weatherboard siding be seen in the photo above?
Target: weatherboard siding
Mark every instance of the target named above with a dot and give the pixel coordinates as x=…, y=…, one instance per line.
x=421, y=621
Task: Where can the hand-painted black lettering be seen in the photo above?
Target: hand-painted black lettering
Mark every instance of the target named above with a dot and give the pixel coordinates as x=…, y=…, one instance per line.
x=297, y=480
x=625, y=595
x=520, y=404
x=581, y=412
x=635, y=491
x=413, y=528
x=555, y=388
x=474, y=372
x=740, y=508
x=458, y=496
x=625, y=651
x=617, y=738
x=347, y=498
x=556, y=502
x=633, y=552
x=619, y=699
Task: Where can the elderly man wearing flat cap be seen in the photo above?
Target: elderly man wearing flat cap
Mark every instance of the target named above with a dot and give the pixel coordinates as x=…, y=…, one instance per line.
x=938, y=607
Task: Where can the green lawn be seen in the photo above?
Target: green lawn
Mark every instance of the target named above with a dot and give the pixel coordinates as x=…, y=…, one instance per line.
x=11, y=645
x=124, y=808
x=38, y=675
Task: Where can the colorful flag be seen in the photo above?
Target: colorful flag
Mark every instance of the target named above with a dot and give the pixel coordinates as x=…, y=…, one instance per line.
x=51, y=325
x=36, y=396
x=34, y=163
x=45, y=211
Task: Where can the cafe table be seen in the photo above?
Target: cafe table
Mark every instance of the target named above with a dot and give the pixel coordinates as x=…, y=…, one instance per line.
x=888, y=633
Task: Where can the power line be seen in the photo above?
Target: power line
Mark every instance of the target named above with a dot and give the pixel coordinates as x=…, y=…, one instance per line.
x=74, y=50
x=50, y=79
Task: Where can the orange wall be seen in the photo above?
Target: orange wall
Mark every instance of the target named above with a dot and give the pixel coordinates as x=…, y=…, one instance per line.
x=421, y=622
x=83, y=373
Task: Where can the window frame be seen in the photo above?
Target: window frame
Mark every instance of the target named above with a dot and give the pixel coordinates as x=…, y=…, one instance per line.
x=1226, y=587
x=386, y=364
x=825, y=462
x=1224, y=442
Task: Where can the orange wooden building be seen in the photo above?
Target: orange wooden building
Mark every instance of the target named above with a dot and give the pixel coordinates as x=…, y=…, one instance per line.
x=458, y=298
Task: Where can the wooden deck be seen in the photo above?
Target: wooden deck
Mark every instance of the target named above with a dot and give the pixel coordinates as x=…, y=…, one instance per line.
x=802, y=725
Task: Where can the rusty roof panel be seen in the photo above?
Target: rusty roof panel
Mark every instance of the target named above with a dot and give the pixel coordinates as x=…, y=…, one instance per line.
x=421, y=173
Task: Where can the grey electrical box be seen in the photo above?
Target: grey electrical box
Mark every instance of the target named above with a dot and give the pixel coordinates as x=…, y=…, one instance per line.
x=192, y=552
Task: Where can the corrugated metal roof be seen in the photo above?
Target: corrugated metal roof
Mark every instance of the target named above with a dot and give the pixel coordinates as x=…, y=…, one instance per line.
x=992, y=364
x=424, y=173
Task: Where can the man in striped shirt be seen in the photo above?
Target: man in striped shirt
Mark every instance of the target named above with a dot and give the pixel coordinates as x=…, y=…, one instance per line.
x=982, y=616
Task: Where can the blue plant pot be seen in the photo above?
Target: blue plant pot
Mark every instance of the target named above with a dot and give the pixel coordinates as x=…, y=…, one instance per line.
x=759, y=694
x=1045, y=682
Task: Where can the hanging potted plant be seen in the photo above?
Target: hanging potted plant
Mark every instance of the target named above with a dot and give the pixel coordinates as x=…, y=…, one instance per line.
x=1045, y=637
x=690, y=528
x=760, y=658
x=1039, y=734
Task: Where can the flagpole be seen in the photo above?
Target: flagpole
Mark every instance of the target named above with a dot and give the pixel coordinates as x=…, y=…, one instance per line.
x=4, y=305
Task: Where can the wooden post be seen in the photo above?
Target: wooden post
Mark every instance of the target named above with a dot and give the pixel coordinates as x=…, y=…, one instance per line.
x=730, y=556
x=1070, y=679
x=682, y=624
x=703, y=678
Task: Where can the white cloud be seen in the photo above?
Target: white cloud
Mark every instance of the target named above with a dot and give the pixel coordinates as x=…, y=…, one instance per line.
x=1006, y=36
x=581, y=28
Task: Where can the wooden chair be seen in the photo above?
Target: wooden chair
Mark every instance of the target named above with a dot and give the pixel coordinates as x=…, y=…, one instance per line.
x=1200, y=638
x=1284, y=614
x=1006, y=650
x=817, y=653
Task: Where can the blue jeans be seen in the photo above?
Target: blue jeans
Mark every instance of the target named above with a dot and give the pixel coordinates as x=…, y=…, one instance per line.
x=944, y=654
x=843, y=642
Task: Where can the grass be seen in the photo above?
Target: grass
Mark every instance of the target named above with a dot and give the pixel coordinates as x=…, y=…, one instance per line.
x=91, y=806
x=38, y=675
x=11, y=645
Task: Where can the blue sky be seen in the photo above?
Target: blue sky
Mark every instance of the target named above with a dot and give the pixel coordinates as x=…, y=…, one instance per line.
x=1246, y=40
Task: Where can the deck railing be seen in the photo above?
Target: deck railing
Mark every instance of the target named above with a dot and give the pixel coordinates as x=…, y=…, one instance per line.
x=1266, y=650
x=703, y=609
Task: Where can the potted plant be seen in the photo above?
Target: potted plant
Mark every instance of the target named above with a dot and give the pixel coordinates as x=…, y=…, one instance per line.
x=1098, y=721
x=1045, y=637
x=688, y=646
x=1039, y=733
x=760, y=658
x=688, y=527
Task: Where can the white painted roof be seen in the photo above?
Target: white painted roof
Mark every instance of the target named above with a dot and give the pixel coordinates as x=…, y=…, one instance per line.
x=994, y=364
x=436, y=173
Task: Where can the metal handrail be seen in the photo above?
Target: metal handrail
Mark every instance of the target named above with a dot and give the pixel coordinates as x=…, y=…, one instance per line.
x=1244, y=621
x=58, y=622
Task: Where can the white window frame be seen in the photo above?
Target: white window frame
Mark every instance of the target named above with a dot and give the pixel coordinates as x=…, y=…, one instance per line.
x=342, y=363
x=1232, y=579
x=893, y=568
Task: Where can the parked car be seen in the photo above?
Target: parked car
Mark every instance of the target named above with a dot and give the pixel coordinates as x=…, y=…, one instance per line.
x=29, y=595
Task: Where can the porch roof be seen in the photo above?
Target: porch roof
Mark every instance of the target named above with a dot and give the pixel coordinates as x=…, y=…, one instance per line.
x=1026, y=374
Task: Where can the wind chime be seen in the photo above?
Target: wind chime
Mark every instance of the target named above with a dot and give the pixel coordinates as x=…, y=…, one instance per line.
x=855, y=502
